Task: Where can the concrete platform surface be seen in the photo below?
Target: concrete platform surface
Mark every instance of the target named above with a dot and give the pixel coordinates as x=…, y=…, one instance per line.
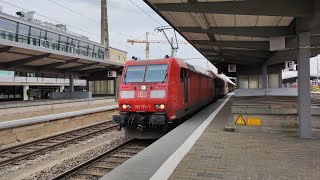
x=41, y=102
x=271, y=101
x=266, y=92
x=52, y=117
x=31, y=111
x=229, y=155
x=218, y=154
x=145, y=164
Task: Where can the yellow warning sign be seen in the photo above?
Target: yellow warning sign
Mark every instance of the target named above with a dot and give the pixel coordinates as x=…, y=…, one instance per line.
x=254, y=121
x=240, y=121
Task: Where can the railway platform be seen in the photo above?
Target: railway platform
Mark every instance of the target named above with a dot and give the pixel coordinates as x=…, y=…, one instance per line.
x=15, y=110
x=269, y=114
x=200, y=148
x=34, y=126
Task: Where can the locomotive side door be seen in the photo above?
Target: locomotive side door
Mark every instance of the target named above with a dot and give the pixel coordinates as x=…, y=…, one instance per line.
x=183, y=98
x=186, y=89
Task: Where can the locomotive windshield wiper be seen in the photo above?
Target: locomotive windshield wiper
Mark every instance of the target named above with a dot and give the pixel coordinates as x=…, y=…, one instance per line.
x=125, y=77
x=165, y=77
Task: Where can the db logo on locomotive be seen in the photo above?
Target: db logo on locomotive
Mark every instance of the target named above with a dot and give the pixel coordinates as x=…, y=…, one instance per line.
x=142, y=94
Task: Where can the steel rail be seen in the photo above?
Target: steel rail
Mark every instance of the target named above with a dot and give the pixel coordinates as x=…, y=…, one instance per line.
x=91, y=161
x=91, y=130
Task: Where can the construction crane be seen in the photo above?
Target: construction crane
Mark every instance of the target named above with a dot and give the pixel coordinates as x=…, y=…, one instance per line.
x=148, y=42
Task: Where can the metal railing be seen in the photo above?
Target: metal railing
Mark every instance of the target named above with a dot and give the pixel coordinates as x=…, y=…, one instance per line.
x=41, y=80
x=36, y=41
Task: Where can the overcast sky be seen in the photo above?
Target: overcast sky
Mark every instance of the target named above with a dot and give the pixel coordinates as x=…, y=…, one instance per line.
x=126, y=21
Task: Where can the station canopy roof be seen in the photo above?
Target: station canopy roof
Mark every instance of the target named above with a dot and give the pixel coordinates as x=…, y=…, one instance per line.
x=243, y=32
x=15, y=56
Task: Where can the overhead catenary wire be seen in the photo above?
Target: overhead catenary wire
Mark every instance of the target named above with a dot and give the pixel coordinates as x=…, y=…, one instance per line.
x=81, y=14
x=16, y=6
x=50, y=18
x=145, y=12
x=162, y=25
x=73, y=11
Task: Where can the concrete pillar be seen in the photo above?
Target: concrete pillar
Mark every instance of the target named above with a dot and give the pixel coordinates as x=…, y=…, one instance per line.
x=104, y=27
x=71, y=86
x=117, y=82
x=264, y=77
x=61, y=88
x=304, y=101
x=280, y=78
x=237, y=81
x=25, y=89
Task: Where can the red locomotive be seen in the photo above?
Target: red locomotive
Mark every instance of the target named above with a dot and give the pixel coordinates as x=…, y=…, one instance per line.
x=155, y=94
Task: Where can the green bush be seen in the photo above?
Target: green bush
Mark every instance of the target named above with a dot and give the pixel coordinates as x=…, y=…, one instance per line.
x=30, y=93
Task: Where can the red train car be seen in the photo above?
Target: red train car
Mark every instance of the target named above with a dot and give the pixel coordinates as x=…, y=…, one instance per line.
x=155, y=94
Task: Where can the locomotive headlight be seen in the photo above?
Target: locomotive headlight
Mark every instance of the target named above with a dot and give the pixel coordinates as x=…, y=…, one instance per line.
x=162, y=106
x=157, y=106
x=126, y=106
x=143, y=87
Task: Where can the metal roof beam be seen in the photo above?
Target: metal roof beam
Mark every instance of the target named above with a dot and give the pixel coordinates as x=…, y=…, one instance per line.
x=5, y=49
x=291, y=42
x=54, y=65
x=295, y=8
x=238, y=58
x=26, y=68
x=26, y=60
x=265, y=32
x=80, y=67
x=228, y=61
x=98, y=69
x=257, y=45
x=288, y=55
x=236, y=52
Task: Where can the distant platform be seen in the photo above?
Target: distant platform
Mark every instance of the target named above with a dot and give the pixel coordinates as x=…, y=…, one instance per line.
x=27, y=109
x=269, y=114
x=266, y=92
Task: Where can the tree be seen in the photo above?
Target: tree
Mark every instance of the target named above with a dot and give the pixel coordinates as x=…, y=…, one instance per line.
x=30, y=94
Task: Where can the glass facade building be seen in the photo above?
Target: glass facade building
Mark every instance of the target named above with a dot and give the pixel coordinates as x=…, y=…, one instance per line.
x=32, y=33
x=23, y=32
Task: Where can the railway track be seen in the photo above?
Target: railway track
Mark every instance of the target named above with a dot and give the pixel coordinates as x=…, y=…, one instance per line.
x=101, y=164
x=16, y=155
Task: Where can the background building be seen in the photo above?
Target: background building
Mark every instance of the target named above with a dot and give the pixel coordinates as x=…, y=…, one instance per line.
x=29, y=31
x=118, y=55
x=103, y=83
x=290, y=77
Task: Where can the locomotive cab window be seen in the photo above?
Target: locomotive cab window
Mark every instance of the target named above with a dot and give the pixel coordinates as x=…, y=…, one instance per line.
x=134, y=74
x=157, y=73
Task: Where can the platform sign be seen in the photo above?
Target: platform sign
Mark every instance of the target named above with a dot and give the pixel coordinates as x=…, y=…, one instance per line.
x=240, y=121
x=254, y=121
x=289, y=65
x=232, y=68
x=112, y=74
